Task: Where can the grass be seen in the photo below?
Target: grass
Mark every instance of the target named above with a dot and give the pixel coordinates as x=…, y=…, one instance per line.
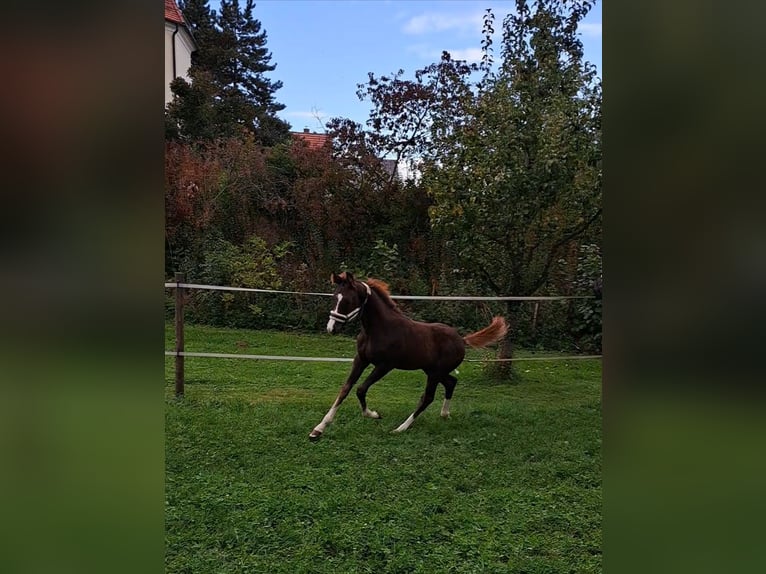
x=510, y=483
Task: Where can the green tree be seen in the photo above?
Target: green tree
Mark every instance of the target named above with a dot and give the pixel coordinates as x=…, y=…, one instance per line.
x=230, y=94
x=517, y=181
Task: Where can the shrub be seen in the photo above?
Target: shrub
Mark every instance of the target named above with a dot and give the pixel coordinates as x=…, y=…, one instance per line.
x=252, y=265
x=587, y=324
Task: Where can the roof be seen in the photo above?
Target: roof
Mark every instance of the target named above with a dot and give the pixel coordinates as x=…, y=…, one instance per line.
x=389, y=165
x=313, y=140
x=172, y=13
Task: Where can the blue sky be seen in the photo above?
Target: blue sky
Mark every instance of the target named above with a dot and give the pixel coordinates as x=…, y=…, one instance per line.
x=324, y=48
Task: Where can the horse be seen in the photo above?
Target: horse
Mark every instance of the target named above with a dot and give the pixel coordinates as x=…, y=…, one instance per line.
x=390, y=340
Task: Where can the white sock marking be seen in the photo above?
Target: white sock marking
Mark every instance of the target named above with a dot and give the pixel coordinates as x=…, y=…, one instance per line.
x=406, y=424
x=445, y=408
x=370, y=414
x=319, y=429
x=330, y=415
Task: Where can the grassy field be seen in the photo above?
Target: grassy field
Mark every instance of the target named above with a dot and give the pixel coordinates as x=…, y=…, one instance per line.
x=510, y=483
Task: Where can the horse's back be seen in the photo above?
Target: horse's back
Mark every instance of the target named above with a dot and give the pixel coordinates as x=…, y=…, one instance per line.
x=413, y=345
x=435, y=348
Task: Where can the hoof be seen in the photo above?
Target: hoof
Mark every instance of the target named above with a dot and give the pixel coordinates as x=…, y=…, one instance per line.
x=445, y=416
x=315, y=436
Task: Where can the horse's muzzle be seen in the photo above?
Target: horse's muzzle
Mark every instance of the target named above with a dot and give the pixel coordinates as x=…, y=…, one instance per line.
x=340, y=319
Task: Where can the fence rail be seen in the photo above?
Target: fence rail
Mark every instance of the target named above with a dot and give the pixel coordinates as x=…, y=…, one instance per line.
x=403, y=297
x=179, y=285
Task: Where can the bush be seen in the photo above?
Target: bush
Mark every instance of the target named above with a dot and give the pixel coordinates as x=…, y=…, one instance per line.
x=251, y=265
x=587, y=324
x=557, y=326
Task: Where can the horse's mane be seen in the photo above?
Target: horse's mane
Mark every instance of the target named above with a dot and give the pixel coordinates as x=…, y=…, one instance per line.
x=381, y=288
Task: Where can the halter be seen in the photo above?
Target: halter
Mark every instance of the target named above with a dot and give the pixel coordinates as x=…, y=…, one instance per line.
x=340, y=318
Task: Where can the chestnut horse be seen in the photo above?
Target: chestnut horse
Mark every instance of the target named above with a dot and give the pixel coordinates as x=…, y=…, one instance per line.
x=391, y=340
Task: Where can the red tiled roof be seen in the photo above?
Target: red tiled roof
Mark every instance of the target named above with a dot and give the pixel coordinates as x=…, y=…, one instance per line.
x=172, y=12
x=314, y=141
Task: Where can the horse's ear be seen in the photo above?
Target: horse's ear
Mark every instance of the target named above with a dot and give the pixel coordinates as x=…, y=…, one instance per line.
x=345, y=277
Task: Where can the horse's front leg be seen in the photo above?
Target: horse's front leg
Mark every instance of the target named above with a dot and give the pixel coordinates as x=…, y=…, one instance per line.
x=357, y=369
x=378, y=373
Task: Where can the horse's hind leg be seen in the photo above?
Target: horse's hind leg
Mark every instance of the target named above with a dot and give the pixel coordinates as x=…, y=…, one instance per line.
x=449, y=383
x=378, y=373
x=425, y=400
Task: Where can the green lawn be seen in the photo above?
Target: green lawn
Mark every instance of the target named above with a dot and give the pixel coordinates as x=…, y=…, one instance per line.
x=510, y=483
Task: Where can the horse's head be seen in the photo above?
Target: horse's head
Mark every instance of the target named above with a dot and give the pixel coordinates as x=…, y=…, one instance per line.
x=349, y=298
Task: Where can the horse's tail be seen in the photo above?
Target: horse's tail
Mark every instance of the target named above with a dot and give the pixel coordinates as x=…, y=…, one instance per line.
x=496, y=330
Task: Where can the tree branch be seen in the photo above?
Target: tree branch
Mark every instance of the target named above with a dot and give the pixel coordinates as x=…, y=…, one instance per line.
x=568, y=236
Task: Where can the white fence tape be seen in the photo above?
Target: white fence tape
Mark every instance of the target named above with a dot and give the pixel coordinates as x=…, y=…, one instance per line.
x=172, y=285
x=347, y=360
x=264, y=357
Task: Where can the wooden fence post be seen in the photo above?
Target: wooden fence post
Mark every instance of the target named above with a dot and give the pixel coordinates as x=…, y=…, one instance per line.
x=180, y=278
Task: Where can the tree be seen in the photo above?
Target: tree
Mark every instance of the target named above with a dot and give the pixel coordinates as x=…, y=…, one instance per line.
x=404, y=114
x=230, y=94
x=517, y=182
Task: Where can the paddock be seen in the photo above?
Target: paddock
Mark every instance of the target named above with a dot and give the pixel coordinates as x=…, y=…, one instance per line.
x=510, y=483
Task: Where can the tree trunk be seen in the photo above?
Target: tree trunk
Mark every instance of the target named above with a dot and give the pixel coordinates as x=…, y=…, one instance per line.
x=504, y=370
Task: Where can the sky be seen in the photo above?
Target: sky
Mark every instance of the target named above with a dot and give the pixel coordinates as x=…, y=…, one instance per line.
x=324, y=48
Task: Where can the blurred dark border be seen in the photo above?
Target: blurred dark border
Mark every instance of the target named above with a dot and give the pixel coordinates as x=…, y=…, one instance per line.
x=81, y=274
x=82, y=303
x=684, y=280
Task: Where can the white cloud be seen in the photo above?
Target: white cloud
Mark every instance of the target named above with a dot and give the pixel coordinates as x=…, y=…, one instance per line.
x=430, y=22
x=468, y=54
x=428, y=52
x=590, y=28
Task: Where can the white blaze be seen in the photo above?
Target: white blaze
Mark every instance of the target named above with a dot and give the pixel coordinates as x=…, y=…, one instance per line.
x=331, y=322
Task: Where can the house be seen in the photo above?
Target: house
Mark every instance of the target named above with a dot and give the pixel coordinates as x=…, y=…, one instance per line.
x=179, y=45
x=311, y=139
x=389, y=166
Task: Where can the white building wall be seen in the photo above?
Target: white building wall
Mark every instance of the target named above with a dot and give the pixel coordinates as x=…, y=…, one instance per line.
x=184, y=49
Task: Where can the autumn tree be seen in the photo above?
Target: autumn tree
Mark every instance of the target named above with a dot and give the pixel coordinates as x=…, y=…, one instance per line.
x=403, y=116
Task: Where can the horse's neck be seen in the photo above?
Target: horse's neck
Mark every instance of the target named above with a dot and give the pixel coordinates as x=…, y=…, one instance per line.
x=377, y=313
